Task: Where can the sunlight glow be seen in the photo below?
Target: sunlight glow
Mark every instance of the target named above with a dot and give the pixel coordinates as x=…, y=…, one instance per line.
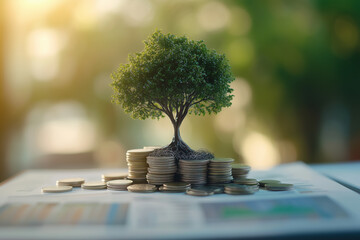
x=259, y=152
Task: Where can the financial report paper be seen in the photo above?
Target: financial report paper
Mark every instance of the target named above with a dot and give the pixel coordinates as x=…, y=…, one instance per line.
x=315, y=205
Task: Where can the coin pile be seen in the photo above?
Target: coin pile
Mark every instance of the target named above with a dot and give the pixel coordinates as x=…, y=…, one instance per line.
x=237, y=189
x=94, y=185
x=220, y=170
x=113, y=176
x=193, y=171
x=161, y=170
x=137, y=166
x=142, y=188
x=174, y=187
x=74, y=182
x=119, y=185
x=240, y=170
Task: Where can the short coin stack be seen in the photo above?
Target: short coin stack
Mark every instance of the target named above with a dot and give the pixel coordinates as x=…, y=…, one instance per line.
x=236, y=189
x=94, y=185
x=74, y=182
x=137, y=166
x=113, y=176
x=119, y=185
x=142, y=188
x=161, y=170
x=174, y=187
x=240, y=170
x=193, y=171
x=220, y=170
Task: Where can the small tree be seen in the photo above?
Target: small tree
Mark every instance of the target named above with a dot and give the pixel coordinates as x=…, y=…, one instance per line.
x=173, y=76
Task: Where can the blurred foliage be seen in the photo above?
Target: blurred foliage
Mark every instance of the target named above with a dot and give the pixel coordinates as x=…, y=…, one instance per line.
x=300, y=59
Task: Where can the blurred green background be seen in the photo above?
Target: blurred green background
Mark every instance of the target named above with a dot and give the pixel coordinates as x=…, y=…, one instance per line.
x=297, y=68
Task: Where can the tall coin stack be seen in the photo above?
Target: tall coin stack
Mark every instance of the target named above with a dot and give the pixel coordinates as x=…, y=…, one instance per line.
x=161, y=170
x=193, y=171
x=220, y=170
x=137, y=166
x=240, y=171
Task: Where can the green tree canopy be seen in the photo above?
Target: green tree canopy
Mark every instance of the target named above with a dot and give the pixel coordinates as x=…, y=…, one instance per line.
x=173, y=76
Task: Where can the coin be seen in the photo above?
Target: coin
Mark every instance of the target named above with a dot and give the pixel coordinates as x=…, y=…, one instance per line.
x=216, y=190
x=56, y=189
x=152, y=147
x=266, y=181
x=94, y=185
x=199, y=193
x=278, y=186
x=246, y=181
x=221, y=160
x=142, y=188
x=236, y=189
x=74, y=182
x=137, y=165
x=120, y=185
x=113, y=176
x=169, y=190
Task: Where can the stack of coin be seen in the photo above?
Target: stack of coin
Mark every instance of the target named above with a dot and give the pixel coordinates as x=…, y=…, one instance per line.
x=246, y=181
x=220, y=170
x=174, y=187
x=278, y=186
x=113, y=176
x=263, y=182
x=137, y=166
x=193, y=171
x=161, y=170
x=240, y=170
x=142, y=188
x=119, y=185
x=94, y=185
x=74, y=182
x=237, y=189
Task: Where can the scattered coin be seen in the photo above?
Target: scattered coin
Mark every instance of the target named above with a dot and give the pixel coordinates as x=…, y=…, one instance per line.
x=174, y=187
x=262, y=183
x=56, y=189
x=119, y=185
x=199, y=193
x=113, y=176
x=215, y=189
x=94, y=185
x=74, y=182
x=246, y=181
x=278, y=186
x=142, y=188
x=237, y=189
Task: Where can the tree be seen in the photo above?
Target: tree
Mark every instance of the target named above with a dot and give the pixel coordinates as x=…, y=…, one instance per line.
x=173, y=76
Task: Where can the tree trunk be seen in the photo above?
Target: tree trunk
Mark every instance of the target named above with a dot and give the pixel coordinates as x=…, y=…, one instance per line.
x=177, y=144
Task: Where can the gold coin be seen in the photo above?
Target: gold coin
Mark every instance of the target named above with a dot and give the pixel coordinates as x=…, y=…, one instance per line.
x=142, y=188
x=267, y=181
x=278, y=186
x=74, y=182
x=122, y=182
x=56, y=189
x=221, y=160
